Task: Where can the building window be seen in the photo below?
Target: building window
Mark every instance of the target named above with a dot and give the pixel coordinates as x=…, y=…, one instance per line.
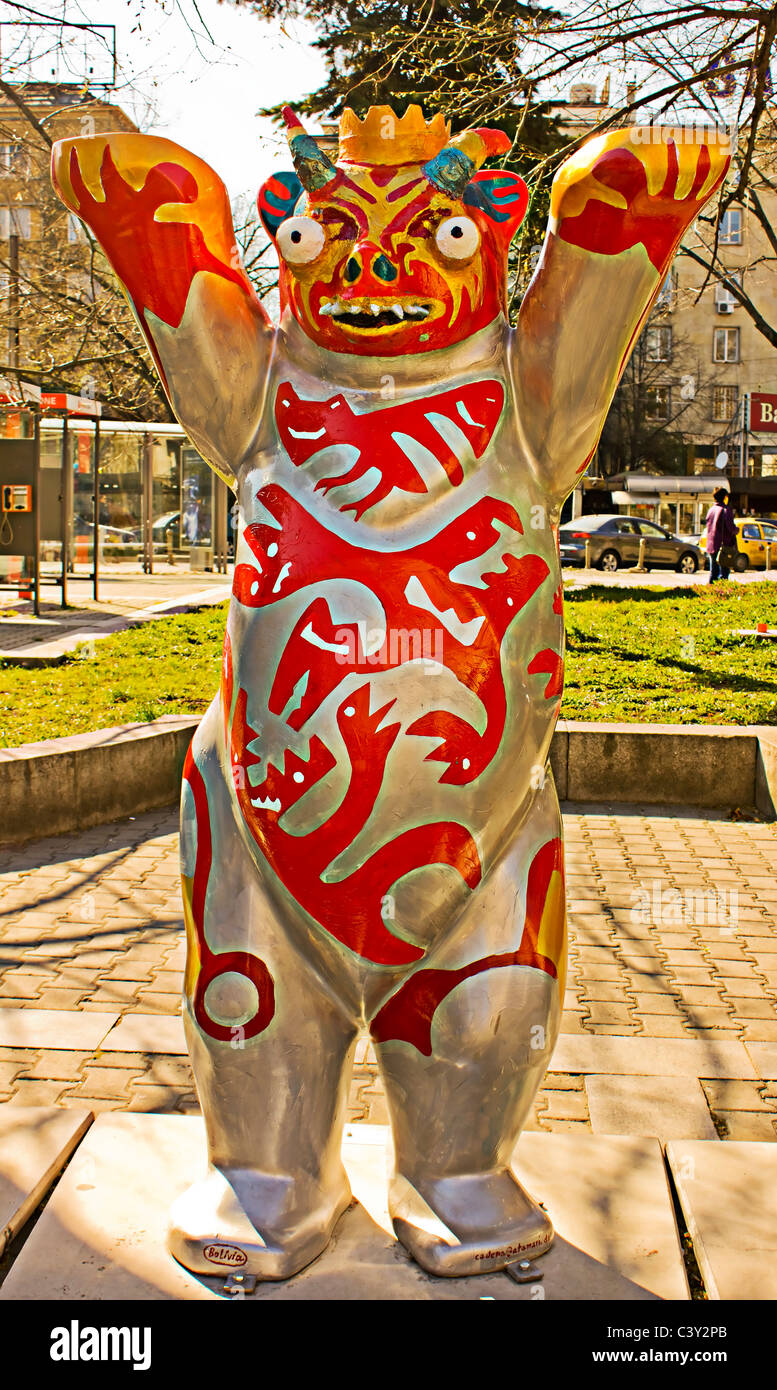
x=75, y=228
x=658, y=400
x=725, y=303
x=724, y=402
x=15, y=221
x=658, y=344
x=79, y=285
x=725, y=345
x=665, y=299
x=730, y=228
x=13, y=161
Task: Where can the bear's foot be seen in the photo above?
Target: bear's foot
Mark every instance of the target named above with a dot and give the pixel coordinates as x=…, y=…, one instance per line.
x=468, y=1224
x=253, y=1223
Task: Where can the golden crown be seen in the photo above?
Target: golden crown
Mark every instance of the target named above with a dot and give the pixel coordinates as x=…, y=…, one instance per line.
x=385, y=138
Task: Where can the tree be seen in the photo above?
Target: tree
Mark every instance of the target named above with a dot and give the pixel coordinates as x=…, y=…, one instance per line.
x=706, y=61
x=651, y=421
x=68, y=323
x=501, y=63
x=460, y=57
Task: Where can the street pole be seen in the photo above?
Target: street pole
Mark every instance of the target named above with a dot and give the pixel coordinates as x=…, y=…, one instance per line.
x=13, y=300
x=64, y=509
x=744, y=435
x=96, y=556
x=36, y=506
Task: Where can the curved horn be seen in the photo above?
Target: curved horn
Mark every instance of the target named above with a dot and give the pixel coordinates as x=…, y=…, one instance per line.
x=451, y=170
x=314, y=168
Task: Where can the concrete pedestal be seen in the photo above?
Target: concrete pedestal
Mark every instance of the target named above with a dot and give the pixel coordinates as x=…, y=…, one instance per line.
x=728, y=1194
x=35, y=1144
x=102, y=1233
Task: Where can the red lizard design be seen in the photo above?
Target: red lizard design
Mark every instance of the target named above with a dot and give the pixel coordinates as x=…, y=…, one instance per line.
x=609, y=229
x=551, y=664
x=350, y=908
x=156, y=261
x=304, y=552
x=307, y=427
x=213, y=963
x=408, y=1014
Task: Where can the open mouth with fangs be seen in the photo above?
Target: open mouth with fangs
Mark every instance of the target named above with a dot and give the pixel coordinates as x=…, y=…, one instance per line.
x=372, y=314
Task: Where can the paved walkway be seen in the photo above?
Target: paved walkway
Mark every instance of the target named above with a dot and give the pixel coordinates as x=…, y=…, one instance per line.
x=670, y=1020
x=127, y=597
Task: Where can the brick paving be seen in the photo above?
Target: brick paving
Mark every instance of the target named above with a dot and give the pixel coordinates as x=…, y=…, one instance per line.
x=673, y=935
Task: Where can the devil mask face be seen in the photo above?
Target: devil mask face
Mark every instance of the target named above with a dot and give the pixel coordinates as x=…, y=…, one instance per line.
x=400, y=247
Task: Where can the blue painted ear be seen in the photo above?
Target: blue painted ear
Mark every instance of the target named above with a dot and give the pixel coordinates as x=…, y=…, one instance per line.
x=501, y=195
x=277, y=199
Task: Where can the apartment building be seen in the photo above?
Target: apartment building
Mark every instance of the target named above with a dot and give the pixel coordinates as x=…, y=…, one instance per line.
x=38, y=237
x=705, y=376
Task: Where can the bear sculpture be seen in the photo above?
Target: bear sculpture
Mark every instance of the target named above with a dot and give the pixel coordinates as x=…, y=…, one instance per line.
x=370, y=834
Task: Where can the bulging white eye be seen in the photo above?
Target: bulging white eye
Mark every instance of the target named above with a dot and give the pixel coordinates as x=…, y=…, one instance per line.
x=300, y=240
x=457, y=238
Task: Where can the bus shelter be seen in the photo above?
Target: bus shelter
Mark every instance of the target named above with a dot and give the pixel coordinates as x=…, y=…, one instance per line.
x=84, y=494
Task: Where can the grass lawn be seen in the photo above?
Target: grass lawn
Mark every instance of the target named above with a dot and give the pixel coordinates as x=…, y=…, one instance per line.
x=658, y=656
x=634, y=655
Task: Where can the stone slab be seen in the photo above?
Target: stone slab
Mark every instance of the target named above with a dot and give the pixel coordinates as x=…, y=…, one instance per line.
x=72, y=1030
x=72, y=783
x=621, y=1056
x=764, y=1057
x=667, y=764
x=668, y=1107
x=148, y=1033
x=59, y=785
x=35, y=1144
x=101, y=1236
x=728, y=1194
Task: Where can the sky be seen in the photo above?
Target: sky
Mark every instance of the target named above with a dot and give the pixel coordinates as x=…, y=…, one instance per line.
x=203, y=94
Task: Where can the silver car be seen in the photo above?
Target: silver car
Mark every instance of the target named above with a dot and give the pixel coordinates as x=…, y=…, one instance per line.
x=614, y=542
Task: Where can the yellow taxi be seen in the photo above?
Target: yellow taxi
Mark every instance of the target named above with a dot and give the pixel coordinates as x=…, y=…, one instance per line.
x=756, y=539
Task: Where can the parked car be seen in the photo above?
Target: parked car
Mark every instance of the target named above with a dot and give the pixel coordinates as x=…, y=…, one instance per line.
x=109, y=535
x=754, y=534
x=614, y=542
x=169, y=523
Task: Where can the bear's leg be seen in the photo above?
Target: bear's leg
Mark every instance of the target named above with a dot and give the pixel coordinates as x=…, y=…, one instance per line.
x=271, y=1051
x=463, y=1045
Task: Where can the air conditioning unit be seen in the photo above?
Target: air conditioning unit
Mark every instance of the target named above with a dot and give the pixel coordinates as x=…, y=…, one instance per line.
x=724, y=306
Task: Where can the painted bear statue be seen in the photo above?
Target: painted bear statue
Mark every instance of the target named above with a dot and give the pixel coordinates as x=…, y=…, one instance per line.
x=370, y=835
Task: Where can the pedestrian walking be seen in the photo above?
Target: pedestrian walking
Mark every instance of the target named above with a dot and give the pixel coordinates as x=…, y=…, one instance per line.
x=721, y=536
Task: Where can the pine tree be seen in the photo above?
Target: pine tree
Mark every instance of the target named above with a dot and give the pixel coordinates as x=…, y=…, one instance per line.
x=461, y=57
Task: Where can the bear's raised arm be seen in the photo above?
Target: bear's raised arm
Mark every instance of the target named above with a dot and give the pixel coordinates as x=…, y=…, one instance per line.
x=162, y=217
x=619, y=207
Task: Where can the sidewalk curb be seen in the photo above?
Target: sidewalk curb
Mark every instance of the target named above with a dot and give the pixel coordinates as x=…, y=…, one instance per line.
x=67, y=784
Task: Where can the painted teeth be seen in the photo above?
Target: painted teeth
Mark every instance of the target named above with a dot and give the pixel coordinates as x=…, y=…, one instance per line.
x=330, y=308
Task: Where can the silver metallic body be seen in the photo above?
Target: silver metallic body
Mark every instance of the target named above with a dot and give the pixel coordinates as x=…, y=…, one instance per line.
x=272, y=1032
x=275, y=1106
